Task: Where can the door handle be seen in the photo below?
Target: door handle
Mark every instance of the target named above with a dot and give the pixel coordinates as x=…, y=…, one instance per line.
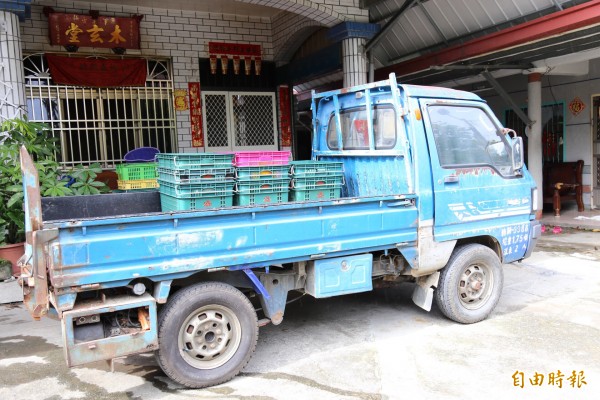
x=451, y=179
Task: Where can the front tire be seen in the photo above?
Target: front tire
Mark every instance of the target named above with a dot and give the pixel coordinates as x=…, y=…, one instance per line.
x=470, y=284
x=207, y=333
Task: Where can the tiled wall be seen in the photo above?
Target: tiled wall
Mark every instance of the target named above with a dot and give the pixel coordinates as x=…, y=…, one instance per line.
x=183, y=36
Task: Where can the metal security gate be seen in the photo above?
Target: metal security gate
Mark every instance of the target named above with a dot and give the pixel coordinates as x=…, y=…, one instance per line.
x=239, y=121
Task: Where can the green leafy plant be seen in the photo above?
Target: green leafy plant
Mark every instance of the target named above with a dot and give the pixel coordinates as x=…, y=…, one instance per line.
x=38, y=141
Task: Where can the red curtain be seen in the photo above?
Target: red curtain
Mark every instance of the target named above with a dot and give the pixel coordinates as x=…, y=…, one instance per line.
x=97, y=72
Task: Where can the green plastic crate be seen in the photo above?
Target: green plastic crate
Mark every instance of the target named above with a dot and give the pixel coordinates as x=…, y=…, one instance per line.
x=262, y=185
x=315, y=194
x=257, y=198
x=170, y=203
x=262, y=172
x=194, y=175
x=196, y=190
x=312, y=168
x=183, y=161
x=320, y=182
x=136, y=171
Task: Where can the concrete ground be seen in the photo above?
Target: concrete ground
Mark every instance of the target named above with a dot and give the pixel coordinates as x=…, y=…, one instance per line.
x=374, y=345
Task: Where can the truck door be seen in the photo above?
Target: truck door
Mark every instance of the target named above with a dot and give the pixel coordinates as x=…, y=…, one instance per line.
x=472, y=171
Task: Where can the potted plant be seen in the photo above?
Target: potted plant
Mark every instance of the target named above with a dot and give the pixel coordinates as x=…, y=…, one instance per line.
x=38, y=141
x=35, y=137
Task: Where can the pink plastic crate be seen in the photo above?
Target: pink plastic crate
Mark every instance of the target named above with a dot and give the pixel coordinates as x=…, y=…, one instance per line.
x=257, y=158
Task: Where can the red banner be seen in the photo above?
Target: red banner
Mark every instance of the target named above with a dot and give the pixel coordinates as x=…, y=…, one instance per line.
x=196, y=114
x=86, y=31
x=97, y=72
x=284, y=116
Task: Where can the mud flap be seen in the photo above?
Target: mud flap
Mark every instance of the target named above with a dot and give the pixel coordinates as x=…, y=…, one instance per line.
x=423, y=293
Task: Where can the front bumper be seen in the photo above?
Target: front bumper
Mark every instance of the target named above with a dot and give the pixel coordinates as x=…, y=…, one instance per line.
x=535, y=231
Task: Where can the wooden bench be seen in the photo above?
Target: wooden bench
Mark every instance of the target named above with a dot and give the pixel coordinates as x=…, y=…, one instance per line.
x=563, y=181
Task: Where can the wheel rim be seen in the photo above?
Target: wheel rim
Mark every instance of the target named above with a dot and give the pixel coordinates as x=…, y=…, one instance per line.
x=210, y=336
x=475, y=286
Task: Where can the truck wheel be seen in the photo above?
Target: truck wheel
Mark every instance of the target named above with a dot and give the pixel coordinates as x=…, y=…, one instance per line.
x=206, y=334
x=470, y=284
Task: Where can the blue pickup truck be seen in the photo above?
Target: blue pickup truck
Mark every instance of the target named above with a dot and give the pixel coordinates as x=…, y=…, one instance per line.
x=435, y=194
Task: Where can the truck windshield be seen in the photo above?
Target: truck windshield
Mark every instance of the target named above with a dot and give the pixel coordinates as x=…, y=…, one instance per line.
x=355, y=134
x=467, y=136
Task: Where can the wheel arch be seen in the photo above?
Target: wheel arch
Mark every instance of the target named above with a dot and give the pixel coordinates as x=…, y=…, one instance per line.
x=487, y=241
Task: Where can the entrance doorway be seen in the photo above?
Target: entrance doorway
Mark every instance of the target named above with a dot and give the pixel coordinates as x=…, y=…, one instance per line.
x=553, y=128
x=238, y=121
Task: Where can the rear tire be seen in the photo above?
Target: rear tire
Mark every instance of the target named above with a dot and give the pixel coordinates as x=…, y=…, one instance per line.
x=470, y=284
x=206, y=334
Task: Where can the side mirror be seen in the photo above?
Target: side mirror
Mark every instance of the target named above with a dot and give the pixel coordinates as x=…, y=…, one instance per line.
x=517, y=153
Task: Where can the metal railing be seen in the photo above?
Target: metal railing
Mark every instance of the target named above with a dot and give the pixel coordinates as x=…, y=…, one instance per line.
x=102, y=124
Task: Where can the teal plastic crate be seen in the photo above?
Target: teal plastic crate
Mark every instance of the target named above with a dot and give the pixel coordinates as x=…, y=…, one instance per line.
x=136, y=171
x=315, y=194
x=195, y=175
x=262, y=172
x=257, y=198
x=258, y=186
x=170, y=203
x=312, y=168
x=320, y=182
x=186, y=161
x=196, y=190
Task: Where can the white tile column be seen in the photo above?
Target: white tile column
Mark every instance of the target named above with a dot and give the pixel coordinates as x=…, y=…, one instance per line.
x=534, y=139
x=354, y=61
x=12, y=83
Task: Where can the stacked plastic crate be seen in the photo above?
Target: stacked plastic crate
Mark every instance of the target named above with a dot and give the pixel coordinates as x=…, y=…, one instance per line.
x=316, y=180
x=195, y=181
x=261, y=177
x=134, y=176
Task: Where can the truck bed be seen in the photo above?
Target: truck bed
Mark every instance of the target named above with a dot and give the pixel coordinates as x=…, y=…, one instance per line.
x=96, y=246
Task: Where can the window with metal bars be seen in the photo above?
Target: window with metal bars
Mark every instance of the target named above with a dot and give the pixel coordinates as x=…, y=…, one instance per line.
x=102, y=124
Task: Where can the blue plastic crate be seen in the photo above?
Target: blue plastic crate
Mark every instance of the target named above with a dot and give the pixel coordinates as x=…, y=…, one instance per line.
x=262, y=172
x=196, y=190
x=170, y=203
x=257, y=198
x=316, y=168
x=326, y=193
x=195, y=175
x=187, y=161
x=320, y=182
x=262, y=185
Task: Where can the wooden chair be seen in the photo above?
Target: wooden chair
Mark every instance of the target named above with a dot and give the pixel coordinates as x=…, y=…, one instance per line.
x=563, y=181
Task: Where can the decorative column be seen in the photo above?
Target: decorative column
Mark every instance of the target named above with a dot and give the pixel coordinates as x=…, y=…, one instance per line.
x=353, y=37
x=12, y=82
x=354, y=61
x=534, y=138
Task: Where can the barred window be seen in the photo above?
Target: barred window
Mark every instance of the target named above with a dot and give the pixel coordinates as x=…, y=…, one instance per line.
x=102, y=124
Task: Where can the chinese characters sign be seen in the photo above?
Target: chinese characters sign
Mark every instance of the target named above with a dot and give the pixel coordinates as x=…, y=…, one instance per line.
x=196, y=114
x=556, y=379
x=86, y=31
x=181, y=99
x=97, y=72
x=220, y=51
x=284, y=116
x=576, y=106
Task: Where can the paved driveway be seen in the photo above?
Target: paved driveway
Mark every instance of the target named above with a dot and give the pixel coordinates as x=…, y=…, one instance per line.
x=369, y=346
